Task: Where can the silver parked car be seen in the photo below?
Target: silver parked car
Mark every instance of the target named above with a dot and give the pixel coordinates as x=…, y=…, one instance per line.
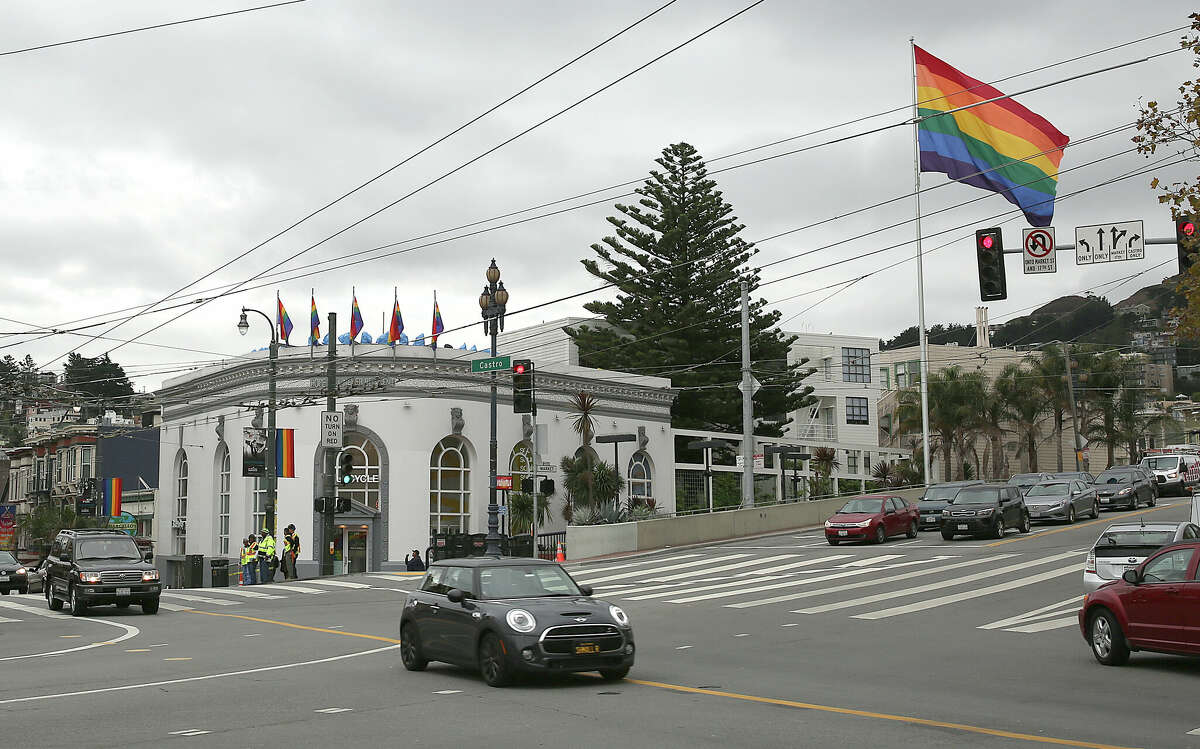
x=1061, y=500
x=1124, y=546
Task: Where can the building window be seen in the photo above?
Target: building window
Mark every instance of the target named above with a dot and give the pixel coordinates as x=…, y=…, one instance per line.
x=258, y=510
x=856, y=364
x=856, y=411
x=885, y=378
x=852, y=461
x=85, y=462
x=449, y=487
x=366, y=475
x=223, y=503
x=641, y=473
x=179, y=523
x=520, y=464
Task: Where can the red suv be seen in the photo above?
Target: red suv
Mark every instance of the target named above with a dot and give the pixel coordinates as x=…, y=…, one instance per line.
x=872, y=518
x=1155, y=607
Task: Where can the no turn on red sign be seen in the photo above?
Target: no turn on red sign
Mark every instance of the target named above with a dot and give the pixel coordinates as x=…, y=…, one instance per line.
x=1037, y=250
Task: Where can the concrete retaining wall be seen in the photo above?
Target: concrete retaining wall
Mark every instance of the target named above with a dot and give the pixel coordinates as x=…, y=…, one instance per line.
x=586, y=541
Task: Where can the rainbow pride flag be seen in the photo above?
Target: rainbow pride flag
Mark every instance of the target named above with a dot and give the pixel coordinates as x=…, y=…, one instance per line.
x=281, y=317
x=1000, y=146
x=285, y=453
x=314, y=323
x=396, y=328
x=438, y=325
x=356, y=321
x=111, y=491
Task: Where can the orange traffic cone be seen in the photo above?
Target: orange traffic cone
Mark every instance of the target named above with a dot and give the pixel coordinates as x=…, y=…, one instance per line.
x=559, y=556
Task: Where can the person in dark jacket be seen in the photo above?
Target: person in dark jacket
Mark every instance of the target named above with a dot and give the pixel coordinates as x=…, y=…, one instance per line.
x=413, y=562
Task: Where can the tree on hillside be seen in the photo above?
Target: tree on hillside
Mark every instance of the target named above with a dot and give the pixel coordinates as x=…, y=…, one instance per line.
x=677, y=260
x=1177, y=128
x=97, y=380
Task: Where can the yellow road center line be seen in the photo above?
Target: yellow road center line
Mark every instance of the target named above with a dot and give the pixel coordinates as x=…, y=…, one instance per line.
x=1080, y=525
x=138, y=650
x=392, y=640
x=68, y=637
x=878, y=716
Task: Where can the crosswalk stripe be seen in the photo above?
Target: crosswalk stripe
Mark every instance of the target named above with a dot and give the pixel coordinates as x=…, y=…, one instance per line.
x=933, y=586
x=795, y=583
x=967, y=595
x=1029, y=616
x=393, y=578
x=682, y=565
x=1070, y=621
x=710, y=570
x=6, y=620
x=793, y=565
x=242, y=593
x=295, y=588
x=172, y=606
x=576, y=570
x=760, y=574
x=871, y=560
x=200, y=599
x=338, y=584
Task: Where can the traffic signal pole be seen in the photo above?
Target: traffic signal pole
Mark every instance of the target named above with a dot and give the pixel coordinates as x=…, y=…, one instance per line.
x=331, y=453
x=1074, y=414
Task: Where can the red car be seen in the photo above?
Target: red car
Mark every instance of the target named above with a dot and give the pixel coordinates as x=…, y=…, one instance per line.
x=1155, y=607
x=872, y=518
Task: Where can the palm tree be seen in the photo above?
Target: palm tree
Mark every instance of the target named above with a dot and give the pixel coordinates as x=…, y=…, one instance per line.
x=954, y=397
x=584, y=404
x=990, y=423
x=1102, y=378
x=824, y=464
x=1023, y=405
x=1133, y=422
x=1049, y=371
x=520, y=511
x=589, y=484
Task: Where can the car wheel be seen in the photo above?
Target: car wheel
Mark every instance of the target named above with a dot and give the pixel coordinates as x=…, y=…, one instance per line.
x=880, y=534
x=78, y=607
x=947, y=536
x=1070, y=514
x=912, y=530
x=832, y=541
x=999, y=529
x=1095, y=510
x=1025, y=526
x=410, y=649
x=492, y=662
x=150, y=607
x=1107, y=640
x=614, y=674
x=52, y=603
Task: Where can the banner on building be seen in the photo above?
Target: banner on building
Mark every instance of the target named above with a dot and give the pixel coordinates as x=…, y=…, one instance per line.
x=254, y=451
x=285, y=453
x=8, y=526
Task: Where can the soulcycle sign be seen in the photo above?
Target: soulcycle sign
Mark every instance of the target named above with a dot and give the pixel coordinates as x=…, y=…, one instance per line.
x=361, y=478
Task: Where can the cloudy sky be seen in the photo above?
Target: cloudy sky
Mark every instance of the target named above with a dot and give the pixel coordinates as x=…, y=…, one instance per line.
x=132, y=166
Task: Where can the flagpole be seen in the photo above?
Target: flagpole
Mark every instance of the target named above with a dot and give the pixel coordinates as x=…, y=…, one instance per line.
x=433, y=334
x=925, y=451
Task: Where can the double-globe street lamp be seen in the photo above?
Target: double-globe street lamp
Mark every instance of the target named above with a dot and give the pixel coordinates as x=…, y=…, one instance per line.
x=243, y=327
x=492, y=303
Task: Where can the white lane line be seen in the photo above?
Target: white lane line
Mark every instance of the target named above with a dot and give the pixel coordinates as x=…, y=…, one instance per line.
x=967, y=595
x=191, y=679
x=130, y=631
x=338, y=584
x=1035, y=614
x=332, y=710
x=743, y=634
x=594, y=580
x=243, y=593
x=792, y=584
x=685, y=647
x=200, y=599
x=793, y=624
x=1194, y=732
x=759, y=574
x=743, y=564
x=908, y=543
x=173, y=606
x=872, y=560
x=985, y=574
x=6, y=620
x=295, y=588
x=598, y=570
x=448, y=691
x=188, y=732
x=1067, y=621
x=257, y=634
x=393, y=578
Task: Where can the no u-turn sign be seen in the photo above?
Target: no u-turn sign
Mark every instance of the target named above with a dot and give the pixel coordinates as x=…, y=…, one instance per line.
x=1037, y=250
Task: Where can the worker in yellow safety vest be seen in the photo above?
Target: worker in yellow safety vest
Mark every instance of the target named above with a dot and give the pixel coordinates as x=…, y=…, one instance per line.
x=249, y=560
x=266, y=556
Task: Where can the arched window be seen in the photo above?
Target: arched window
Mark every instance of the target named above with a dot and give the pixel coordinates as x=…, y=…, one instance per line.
x=223, y=501
x=364, y=479
x=179, y=523
x=520, y=464
x=449, y=487
x=641, y=474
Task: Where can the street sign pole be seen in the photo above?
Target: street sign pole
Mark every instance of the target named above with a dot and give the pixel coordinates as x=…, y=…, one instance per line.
x=325, y=553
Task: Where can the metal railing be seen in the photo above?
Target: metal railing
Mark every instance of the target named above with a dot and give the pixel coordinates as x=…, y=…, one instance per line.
x=822, y=432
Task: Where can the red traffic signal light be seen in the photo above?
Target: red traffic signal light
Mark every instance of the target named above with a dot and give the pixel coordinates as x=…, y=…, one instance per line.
x=1187, y=228
x=1186, y=241
x=989, y=255
x=519, y=368
x=986, y=241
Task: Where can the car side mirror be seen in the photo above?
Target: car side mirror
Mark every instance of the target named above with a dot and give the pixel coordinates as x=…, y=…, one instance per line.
x=1133, y=577
x=454, y=595
x=587, y=590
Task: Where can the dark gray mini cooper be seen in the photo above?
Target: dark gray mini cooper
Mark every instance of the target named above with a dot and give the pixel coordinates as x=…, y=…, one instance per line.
x=512, y=615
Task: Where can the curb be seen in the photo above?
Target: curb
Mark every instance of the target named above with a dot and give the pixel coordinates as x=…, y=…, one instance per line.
x=698, y=544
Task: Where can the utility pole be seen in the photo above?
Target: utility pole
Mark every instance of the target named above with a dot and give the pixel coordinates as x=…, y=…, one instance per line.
x=331, y=453
x=748, y=388
x=1074, y=414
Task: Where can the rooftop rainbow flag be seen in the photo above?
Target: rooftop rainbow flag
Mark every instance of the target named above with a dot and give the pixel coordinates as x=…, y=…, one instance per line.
x=999, y=146
x=284, y=322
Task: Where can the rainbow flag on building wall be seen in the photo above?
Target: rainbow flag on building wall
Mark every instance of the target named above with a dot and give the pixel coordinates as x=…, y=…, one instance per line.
x=999, y=146
x=285, y=453
x=111, y=492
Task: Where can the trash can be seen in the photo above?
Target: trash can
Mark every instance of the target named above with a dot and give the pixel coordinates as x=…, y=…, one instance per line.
x=521, y=545
x=456, y=546
x=193, y=571
x=478, y=544
x=220, y=572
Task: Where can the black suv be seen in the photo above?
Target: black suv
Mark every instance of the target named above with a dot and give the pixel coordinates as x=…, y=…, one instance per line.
x=94, y=567
x=985, y=510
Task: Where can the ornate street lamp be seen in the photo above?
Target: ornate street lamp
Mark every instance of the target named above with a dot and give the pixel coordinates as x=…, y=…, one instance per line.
x=492, y=303
x=243, y=327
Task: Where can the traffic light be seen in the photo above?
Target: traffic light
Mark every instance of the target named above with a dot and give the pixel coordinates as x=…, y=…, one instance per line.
x=989, y=253
x=547, y=486
x=345, y=467
x=527, y=485
x=1186, y=241
x=523, y=396
x=319, y=505
x=342, y=504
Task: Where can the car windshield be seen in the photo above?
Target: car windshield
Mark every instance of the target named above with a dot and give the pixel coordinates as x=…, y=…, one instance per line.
x=1116, y=477
x=862, y=505
x=1028, y=479
x=977, y=496
x=526, y=581
x=1160, y=464
x=108, y=548
x=6, y=558
x=940, y=493
x=1049, y=490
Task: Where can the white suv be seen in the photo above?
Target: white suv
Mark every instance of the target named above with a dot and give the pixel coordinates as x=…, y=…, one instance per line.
x=1175, y=474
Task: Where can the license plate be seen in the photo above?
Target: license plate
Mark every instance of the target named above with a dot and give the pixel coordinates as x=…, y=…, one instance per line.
x=122, y=591
x=3, y=578
x=962, y=526
x=585, y=648
x=843, y=533
x=1104, y=500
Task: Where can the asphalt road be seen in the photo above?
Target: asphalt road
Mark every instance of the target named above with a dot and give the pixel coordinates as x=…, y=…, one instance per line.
x=775, y=642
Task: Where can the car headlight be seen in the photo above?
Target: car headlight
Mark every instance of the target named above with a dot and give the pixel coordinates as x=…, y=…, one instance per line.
x=985, y=513
x=89, y=577
x=619, y=616
x=863, y=524
x=945, y=513
x=828, y=523
x=21, y=571
x=1124, y=491
x=520, y=620
x=149, y=575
